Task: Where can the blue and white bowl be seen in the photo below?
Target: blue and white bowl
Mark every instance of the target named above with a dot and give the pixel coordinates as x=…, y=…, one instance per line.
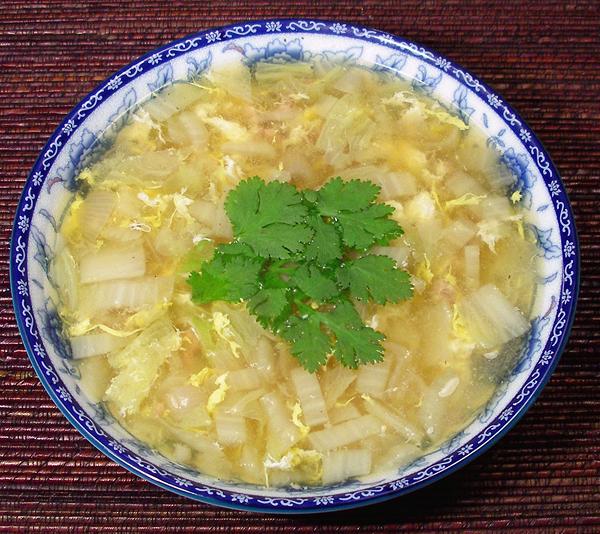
x=51, y=186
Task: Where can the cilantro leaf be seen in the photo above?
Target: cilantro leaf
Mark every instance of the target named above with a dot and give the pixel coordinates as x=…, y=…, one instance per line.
x=338, y=196
x=309, y=344
x=230, y=279
x=325, y=245
x=314, y=283
x=363, y=277
x=365, y=228
x=355, y=343
x=268, y=304
x=268, y=217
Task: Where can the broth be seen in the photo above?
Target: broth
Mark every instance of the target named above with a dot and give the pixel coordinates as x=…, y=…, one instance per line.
x=206, y=385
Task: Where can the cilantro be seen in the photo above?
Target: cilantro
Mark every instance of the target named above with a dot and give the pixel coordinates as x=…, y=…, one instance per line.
x=337, y=196
x=355, y=342
x=325, y=246
x=315, y=283
x=310, y=344
x=269, y=304
x=352, y=207
x=362, y=229
x=299, y=260
x=363, y=277
x=226, y=278
x=268, y=217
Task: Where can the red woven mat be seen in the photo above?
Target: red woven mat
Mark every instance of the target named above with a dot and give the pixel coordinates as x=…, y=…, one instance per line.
x=542, y=57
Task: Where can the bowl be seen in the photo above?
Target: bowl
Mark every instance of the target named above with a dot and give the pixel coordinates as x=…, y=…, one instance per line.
x=51, y=185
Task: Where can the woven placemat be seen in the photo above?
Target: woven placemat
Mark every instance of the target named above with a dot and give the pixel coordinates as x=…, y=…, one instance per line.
x=541, y=56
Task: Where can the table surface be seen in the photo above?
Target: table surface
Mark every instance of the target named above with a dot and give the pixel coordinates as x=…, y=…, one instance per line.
x=542, y=57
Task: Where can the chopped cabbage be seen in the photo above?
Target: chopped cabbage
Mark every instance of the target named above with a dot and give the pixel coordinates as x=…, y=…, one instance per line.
x=112, y=262
x=138, y=364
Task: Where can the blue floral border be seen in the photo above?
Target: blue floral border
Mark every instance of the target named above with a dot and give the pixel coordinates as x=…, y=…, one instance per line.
x=292, y=503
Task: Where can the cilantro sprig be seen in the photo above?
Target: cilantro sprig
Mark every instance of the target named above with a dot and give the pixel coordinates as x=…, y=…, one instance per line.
x=300, y=260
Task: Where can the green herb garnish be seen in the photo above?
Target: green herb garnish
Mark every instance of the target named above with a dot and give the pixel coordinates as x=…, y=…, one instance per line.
x=300, y=259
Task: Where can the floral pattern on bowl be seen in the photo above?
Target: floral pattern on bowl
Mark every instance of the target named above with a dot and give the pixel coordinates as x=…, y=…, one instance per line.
x=79, y=138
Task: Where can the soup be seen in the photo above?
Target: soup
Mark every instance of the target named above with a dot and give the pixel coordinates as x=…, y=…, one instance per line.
x=202, y=380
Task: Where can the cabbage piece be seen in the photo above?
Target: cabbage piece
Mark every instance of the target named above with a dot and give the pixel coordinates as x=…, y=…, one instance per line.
x=244, y=379
x=94, y=345
x=345, y=433
x=406, y=429
x=346, y=133
x=150, y=166
x=323, y=106
x=251, y=465
x=436, y=412
x=186, y=404
x=230, y=130
x=66, y=277
x=231, y=428
x=95, y=212
x=137, y=137
x=172, y=100
x=409, y=157
x=213, y=217
x=341, y=465
x=311, y=399
x=169, y=244
x=436, y=320
x=494, y=207
x=372, y=379
x=460, y=183
x=254, y=148
x=132, y=294
x=262, y=358
x=234, y=79
x=397, y=456
x=138, y=366
x=471, y=266
x=476, y=158
x=298, y=465
x=186, y=129
x=180, y=453
x=209, y=457
x=457, y=235
x=335, y=382
x=112, y=262
x=490, y=317
x=125, y=234
x=96, y=374
x=342, y=413
x=393, y=184
x=245, y=403
x=282, y=434
x=396, y=185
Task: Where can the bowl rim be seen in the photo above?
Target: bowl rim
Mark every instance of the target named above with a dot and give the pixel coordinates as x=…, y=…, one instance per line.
x=300, y=26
